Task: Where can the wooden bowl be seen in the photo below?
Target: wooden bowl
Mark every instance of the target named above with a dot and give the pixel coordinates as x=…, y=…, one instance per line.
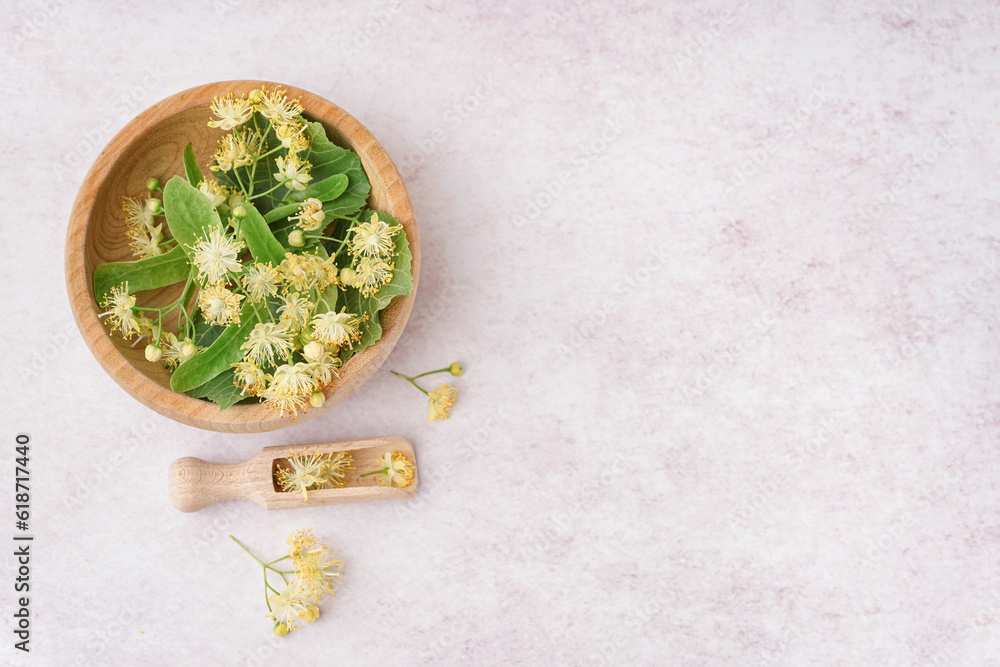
x=152, y=145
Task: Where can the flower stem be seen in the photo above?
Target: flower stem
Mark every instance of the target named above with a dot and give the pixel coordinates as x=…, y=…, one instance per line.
x=251, y=556
x=410, y=380
x=440, y=370
x=374, y=472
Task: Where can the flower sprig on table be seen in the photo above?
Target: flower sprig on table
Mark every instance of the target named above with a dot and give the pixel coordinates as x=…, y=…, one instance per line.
x=313, y=577
x=281, y=271
x=439, y=401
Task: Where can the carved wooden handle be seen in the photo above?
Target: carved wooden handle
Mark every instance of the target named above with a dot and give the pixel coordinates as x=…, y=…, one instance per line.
x=195, y=483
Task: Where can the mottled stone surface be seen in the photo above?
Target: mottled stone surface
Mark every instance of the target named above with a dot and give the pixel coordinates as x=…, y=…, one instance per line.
x=723, y=276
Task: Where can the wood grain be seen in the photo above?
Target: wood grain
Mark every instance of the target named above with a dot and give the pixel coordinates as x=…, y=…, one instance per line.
x=151, y=145
x=194, y=484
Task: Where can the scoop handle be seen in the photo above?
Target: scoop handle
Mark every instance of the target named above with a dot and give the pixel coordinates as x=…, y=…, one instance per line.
x=195, y=484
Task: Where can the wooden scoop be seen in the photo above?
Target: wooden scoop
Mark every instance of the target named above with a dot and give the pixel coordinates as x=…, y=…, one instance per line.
x=195, y=483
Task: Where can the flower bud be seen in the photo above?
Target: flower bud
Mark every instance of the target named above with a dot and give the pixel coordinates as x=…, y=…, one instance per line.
x=154, y=205
x=240, y=212
x=296, y=239
x=153, y=353
x=256, y=96
x=152, y=184
x=455, y=369
x=280, y=629
x=347, y=276
x=317, y=400
x=188, y=349
x=313, y=351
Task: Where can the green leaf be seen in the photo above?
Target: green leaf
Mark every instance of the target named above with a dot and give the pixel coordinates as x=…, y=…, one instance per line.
x=205, y=334
x=328, y=159
x=283, y=211
x=150, y=273
x=400, y=285
x=326, y=190
x=221, y=389
x=220, y=355
x=191, y=168
x=261, y=242
x=188, y=211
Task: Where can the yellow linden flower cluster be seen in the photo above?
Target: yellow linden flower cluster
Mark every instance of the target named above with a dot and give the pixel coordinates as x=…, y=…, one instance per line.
x=316, y=574
x=304, y=324
x=440, y=400
x=145, y=235
x=310, y=472
x=245, y=146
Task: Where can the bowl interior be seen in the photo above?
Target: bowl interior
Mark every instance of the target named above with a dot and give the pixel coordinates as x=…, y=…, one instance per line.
x=152, y=146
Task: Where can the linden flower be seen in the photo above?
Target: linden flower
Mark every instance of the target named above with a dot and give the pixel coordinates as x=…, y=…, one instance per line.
x=292, y=137
x=292, y=607
x=231, y=112
x=215, y=193
x=335, y=469
x=373, y=238
x=318, y=573
x=236, y=150
x=177, y=351
x=219, y=305
x=440, y=400
x=336, y=329
x=137, y=214
x=216, y=255
x=146, y=244
x=305, y=471
x=371, y=273
x=292, y=172
x=249, y=378
x=267, y=340
x=283, y=400
x=120, y=304
x=293, y=379
x=277, y=108
x=324, y=370
x=260, y=281
x=394, y=469
x=311, y=215
x=303, y=272
x=295, y=310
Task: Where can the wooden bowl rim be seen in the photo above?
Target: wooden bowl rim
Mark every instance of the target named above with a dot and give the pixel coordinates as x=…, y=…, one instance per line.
x=253, y=418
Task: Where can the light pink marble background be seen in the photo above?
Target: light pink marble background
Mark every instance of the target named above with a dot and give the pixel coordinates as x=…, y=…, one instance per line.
x=724, y=277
